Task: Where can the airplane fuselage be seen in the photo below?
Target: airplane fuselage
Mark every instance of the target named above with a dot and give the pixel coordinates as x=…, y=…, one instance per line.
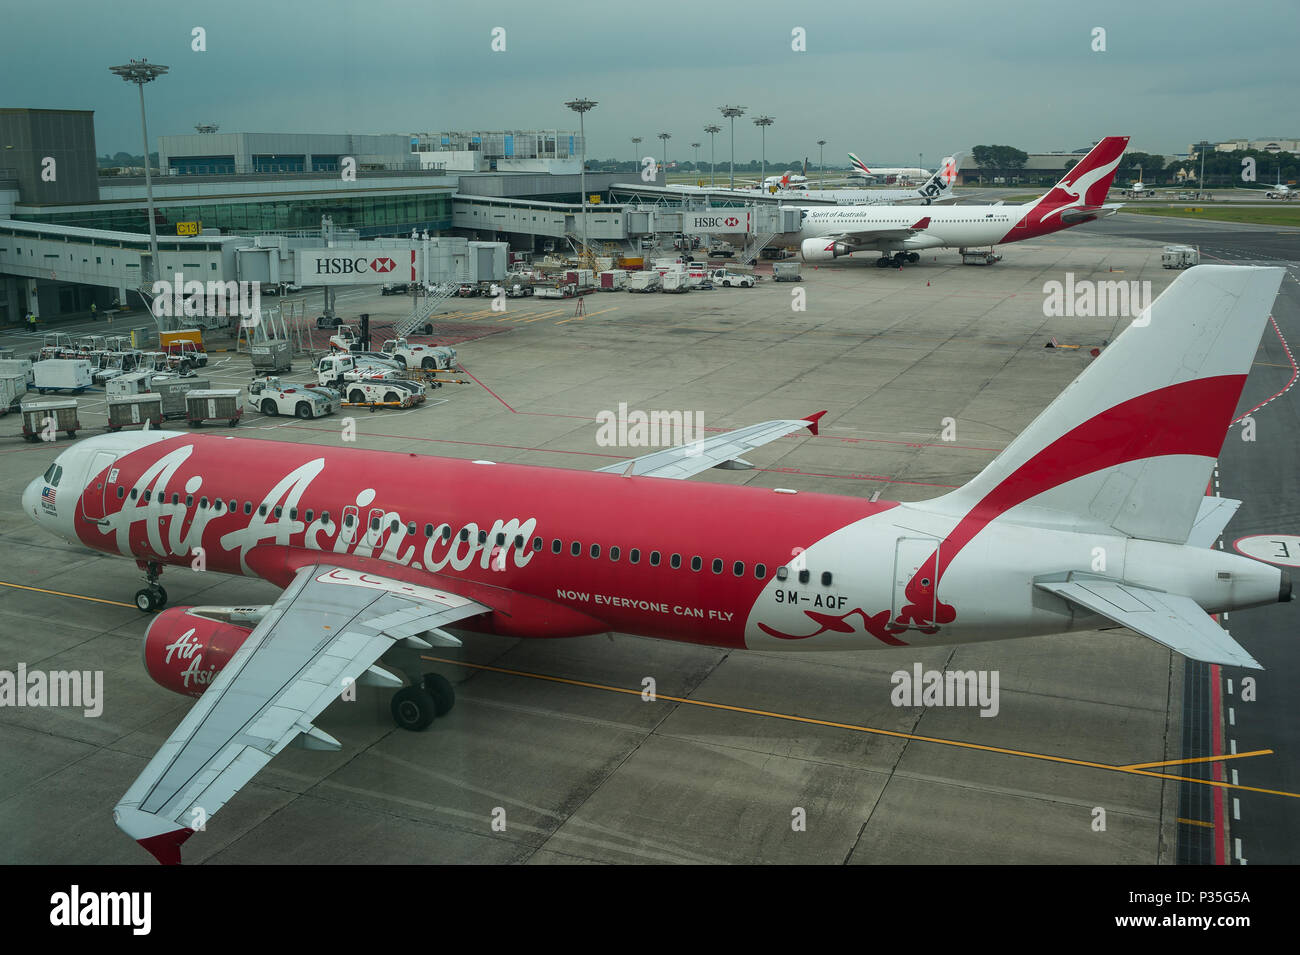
x=565, y=553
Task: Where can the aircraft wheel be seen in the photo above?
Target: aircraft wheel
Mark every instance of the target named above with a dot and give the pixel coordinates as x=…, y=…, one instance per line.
x=150, y=599
x=413, y=708
x=913, y=257
x=443, y=693
x=159, y=596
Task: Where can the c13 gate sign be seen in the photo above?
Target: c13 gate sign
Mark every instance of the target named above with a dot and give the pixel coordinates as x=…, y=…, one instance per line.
x=350, y=267
x=720, y=222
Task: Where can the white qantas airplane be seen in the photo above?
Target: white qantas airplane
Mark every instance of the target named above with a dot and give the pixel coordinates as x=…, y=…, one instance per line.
x=830, y=233
x=379, y=551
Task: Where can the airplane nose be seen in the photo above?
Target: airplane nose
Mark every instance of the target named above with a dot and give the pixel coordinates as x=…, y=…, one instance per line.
x=31, y=497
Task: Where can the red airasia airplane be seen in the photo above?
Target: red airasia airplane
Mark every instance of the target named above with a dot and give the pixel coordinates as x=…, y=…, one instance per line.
x=1095, y=516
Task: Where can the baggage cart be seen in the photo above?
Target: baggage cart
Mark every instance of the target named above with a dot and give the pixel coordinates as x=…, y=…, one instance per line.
x=213, y=404
x=128, y=411
x=60, y=412
x=173, y=391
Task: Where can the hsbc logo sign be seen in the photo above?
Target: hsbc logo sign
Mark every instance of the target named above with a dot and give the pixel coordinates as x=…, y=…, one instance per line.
x=722, y=222
x=340, y=265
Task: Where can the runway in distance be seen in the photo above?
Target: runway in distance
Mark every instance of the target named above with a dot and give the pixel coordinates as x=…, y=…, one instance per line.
x=378, y=552
x=897, y=236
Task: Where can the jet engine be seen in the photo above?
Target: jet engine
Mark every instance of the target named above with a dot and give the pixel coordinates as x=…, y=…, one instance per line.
x=823, y=250
x=186, y=647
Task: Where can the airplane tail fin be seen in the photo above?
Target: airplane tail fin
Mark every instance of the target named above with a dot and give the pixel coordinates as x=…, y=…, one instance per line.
x=859, y=165
x=1085, y=185
x=939, y=186
x=1130, y=444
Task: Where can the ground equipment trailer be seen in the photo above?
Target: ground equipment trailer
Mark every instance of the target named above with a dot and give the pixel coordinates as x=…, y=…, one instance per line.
x=138, y=410
x=54, y=414
x=213, y=404
x=428, y=357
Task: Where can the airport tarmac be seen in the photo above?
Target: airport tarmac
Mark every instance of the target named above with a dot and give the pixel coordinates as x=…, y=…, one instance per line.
x=552, y=754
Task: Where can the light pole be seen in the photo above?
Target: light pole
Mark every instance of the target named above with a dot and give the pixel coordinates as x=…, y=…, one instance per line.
x=762, y=122
x=713, y=153
x=1202, y=147
x=731, y=112
x=821, y=161
x=580, y=106
x=636, y=160
x=665, y=137
x=140, y=72
x=696, y=147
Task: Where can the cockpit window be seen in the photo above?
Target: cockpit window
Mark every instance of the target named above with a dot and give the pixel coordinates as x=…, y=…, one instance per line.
x=53, y=474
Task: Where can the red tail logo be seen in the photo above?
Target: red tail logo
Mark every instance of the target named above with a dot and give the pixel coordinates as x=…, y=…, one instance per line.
x=1084, y=186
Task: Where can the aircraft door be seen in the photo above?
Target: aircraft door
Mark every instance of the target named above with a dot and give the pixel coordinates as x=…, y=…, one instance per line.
x=911, y=554
x=99, y=488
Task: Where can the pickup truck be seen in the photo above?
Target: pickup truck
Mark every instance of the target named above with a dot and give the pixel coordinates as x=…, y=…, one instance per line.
x=428, y=357
x=271, y=397
x=364, y=385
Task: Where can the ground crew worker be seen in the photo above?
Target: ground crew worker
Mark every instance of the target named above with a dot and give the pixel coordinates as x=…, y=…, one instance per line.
x=94, y=312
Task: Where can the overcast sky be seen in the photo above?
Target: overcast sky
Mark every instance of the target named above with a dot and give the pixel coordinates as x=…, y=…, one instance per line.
x=886, y=80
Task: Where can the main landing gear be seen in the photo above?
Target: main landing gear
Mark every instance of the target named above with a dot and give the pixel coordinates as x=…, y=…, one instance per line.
x=898, y=259
x=152, y=598
x=429, y=696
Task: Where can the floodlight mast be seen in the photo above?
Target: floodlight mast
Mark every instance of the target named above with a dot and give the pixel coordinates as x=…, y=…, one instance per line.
x=140, y=72
x=731, y=112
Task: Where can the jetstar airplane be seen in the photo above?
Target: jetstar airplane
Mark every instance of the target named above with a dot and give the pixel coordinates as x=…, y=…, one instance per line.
x=830, y=234
x=1095, y=516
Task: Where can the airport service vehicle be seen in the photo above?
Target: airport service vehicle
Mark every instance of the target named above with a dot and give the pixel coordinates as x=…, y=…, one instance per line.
x=518, y=287
x=428, y=357
x=328, y=321
x=467, y=290
x=647, y=281
x=729, y=279
x=1179, y=257
x=379, y=552
x=612, y=280
x=62, y=374
x=344, y=338
x=57, y=345
x=721, y=250
x=273, y=397
x=395, y=288
x=896, y=235
x=786, y=272
x=367, y=385
x=184, y=344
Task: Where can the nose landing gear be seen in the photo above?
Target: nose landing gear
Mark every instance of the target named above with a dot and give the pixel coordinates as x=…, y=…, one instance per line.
x=152, y=598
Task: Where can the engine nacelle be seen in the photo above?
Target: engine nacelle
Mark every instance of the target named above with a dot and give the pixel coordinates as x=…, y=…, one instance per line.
x=184, y=649
x=823, y=250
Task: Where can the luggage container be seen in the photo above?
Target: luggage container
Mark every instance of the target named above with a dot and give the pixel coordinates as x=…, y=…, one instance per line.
x=126, y=411
x=786, y=272
x=272, y=356
x=132, y=383
x=62, y=374
x=613, y=280
x=61, y=412
x=213, y=404
x=173, y=391
x=12, y=389
x=644, y=282
x=17, y=366
x=1179, y=257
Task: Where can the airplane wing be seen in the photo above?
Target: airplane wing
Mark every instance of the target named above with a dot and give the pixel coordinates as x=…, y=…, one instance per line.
x=1173, y=620
x=866, y=238
x=719, y=451
x=1211, y=519
x=327, y=629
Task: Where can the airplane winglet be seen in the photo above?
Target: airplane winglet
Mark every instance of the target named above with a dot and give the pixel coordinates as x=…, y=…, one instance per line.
x=813, y=420
x=166, y=848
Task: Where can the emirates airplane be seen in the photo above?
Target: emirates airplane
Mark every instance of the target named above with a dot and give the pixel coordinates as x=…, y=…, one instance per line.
x=831, y=233
x=1095, y=516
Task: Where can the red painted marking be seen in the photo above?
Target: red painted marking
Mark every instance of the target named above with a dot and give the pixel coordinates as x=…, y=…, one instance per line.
x=1216, y=749
x=1295, y=372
